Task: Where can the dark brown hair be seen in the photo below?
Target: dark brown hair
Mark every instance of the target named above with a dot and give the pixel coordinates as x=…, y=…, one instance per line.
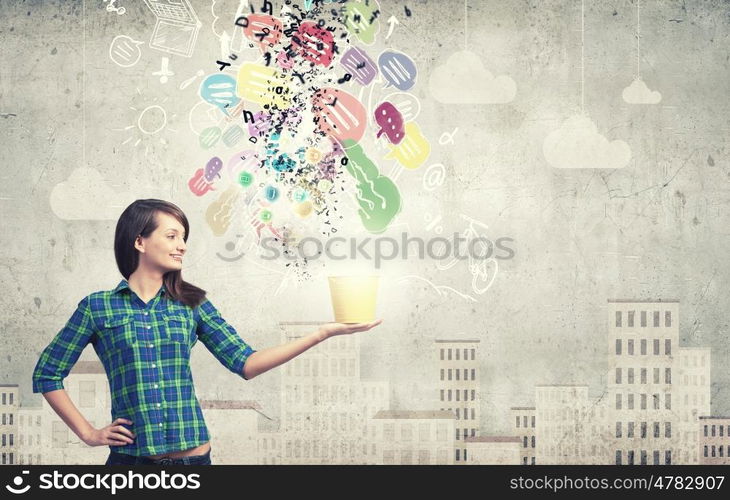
x=140, y=219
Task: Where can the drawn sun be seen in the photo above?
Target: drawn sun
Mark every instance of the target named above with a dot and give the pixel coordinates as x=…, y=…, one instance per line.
x=151, y=121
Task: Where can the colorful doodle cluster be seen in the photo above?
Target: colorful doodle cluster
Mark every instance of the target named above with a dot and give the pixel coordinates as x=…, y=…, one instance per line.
x=302, y=131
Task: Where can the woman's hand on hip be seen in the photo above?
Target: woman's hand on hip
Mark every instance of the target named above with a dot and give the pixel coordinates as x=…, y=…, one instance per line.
x=113, y=434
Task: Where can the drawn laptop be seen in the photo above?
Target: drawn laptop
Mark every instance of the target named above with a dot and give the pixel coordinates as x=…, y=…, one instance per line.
x=177, y=26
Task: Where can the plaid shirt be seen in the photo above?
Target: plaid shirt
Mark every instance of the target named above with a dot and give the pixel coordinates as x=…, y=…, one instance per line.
x=145, y=350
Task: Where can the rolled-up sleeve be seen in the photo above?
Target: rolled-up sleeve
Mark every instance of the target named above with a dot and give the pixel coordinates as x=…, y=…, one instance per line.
x=61, y=354
x=221, y=338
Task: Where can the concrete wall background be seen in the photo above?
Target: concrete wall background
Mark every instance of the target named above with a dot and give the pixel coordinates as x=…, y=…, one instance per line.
x=656, y=228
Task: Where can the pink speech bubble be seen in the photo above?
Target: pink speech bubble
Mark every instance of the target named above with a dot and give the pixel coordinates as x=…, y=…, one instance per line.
x=264, y=30
x=284, y=61
x=315, y=44
x=390, y=122
x=243, y=160
x=338, y=114
x=197, y=184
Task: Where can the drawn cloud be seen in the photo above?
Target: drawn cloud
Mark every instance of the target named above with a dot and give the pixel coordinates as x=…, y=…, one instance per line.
x=465, y=80
x=639, y=93
x=87, y=196
x=577, y=144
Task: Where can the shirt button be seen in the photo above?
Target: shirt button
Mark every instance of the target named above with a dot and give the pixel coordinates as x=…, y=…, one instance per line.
x=148, y=327
x=152, y=345
x=158, y=405
x=156, y=386
x=146, y=313
x=160, y=424
x=153, y=365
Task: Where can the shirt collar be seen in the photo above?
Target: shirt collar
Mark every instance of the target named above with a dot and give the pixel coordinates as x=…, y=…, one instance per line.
x=124, y=284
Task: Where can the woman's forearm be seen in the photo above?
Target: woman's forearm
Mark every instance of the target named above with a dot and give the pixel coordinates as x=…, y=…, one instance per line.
x=64, y=407
x=266, y=359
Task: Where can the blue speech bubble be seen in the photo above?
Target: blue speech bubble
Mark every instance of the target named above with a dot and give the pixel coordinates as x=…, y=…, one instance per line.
x=271, y=193
x=220, y=90
x=398, y=69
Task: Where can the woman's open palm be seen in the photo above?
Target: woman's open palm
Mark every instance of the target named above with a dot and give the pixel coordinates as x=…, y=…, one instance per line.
x=332, y=329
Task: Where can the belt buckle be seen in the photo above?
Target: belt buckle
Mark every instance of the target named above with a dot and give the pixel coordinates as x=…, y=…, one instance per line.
x=165, y=461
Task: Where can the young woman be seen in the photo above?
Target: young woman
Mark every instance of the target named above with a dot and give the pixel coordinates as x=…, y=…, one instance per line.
x=143, y=331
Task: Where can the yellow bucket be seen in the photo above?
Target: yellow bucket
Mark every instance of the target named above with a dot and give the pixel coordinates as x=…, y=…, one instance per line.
x=354, y=298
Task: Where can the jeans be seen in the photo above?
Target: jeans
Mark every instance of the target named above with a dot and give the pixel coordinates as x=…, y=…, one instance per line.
x=124, y=459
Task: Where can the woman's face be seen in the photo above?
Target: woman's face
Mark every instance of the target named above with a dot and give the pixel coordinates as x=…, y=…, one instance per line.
x=165, y=247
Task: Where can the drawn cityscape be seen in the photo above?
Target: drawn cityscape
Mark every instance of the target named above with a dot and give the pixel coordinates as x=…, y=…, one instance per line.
x=654, y=410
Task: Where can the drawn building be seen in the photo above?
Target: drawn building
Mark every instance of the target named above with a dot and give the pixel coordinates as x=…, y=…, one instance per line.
x=523, y=427
x=494, y=450
x=30, y=435
x=88, y=388
x=326, y=410
x=645, y=384
x=571, y=428
x=714, y=441
x=458, y=387
x=234, y=441
x=692, y=400
x=9, y=403
x=415, y=437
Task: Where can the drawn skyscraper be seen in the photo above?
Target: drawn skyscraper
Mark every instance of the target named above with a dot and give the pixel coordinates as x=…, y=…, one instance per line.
x=643, y=340
x=458, y=388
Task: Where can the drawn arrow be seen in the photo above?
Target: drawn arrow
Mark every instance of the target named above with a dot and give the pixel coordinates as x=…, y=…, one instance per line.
x=392, y=21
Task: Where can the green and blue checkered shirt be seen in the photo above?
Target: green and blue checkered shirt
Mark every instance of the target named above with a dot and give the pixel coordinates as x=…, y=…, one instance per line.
x=145, y=350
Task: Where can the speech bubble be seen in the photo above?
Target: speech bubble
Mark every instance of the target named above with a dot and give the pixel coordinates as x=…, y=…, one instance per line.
x=313, y=155
x=271, y=193
x=313, y=43
x=262, y=85
x=212, y=169
x=203, y=115
x=219, y=90
x=413, y=150
x=303, y=209
x=284, y=61
x=261, y=124
x=299, y=195
x=263, y=29
x=247, y=159
x=390, y=122
x=377, y=196
x=275, y=158
x=197, y=184
x=361, y=20
x=398, y=69
x=124, y=51
x=232, y=135
x=209, y=137
x=245, y=179
x=220, y=213
x=359, y=64
x=407, y=104
x=338, y=114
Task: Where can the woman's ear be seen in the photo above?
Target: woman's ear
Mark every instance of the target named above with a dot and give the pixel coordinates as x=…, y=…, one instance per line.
x=139, y=244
